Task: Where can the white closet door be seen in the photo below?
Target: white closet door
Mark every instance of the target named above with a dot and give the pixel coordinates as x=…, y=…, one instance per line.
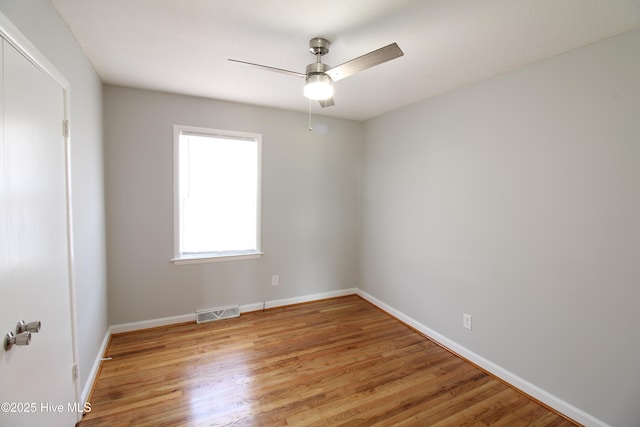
x=36, y=383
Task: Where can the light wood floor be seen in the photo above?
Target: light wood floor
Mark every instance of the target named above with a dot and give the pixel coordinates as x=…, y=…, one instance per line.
x=333, y=362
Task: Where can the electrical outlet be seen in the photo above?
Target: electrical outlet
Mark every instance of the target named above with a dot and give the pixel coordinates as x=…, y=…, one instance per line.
x=275, y=280
x=466, y=321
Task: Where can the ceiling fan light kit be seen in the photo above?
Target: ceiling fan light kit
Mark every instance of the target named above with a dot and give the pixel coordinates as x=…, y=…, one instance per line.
x=318, y=85
x=319, y=77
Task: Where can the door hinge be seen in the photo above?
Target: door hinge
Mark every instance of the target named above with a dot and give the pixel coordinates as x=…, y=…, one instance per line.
x=74, y=371
x=65, y=128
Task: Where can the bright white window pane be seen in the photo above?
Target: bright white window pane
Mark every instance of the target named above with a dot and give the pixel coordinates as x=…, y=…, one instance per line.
x=218, y=186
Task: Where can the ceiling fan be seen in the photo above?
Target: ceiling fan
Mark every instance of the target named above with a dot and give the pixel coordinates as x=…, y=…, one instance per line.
x=319, y=77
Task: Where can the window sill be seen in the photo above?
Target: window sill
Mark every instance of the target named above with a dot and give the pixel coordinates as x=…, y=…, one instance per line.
x=216, y=257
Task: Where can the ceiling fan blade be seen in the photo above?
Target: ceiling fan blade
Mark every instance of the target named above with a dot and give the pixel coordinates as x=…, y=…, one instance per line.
x=365, y=61
x=327, y=103
x=266, y=67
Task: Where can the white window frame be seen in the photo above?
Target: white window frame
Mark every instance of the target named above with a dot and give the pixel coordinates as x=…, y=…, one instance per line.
x=180, y=258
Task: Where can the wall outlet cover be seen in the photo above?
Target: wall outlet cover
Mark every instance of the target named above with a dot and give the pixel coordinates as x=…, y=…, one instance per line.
x=466, y=321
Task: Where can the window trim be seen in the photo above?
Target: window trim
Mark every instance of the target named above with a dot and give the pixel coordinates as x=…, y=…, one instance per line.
x=207, y=257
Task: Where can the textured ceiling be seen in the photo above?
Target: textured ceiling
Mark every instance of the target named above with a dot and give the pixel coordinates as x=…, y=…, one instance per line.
x=182, y=46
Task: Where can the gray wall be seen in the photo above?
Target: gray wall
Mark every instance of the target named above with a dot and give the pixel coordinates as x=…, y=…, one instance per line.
x=517, y=200
x=41, y=24
x=310, y=184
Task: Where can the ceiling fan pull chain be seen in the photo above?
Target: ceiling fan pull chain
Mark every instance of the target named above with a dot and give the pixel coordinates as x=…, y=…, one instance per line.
x=310, y=128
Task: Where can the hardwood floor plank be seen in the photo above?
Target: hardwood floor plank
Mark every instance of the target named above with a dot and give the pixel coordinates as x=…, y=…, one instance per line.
x=332, y=362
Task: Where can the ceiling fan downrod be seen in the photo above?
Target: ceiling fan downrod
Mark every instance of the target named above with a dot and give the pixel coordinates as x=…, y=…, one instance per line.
x=318, y=47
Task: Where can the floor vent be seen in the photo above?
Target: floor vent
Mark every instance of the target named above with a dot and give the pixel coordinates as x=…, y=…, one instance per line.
x=211, y=314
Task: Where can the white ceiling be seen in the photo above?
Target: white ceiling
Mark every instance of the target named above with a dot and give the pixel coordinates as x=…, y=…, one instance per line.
x=182, y=46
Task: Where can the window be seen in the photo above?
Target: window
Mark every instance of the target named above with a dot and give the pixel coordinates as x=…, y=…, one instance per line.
x=217, y=194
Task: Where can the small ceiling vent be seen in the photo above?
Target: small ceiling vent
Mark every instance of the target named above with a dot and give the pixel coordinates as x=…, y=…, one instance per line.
x=211, y=314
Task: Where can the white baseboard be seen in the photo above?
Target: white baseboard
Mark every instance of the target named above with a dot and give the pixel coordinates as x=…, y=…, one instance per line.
x=308, y=298
x=257, y=306
x=94, y=369
x=516, y=381
x=191, y=317
x=153, y=323
x=296, y=300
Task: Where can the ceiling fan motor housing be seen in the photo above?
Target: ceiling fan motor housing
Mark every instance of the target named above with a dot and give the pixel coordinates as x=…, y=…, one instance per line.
x=317, y=67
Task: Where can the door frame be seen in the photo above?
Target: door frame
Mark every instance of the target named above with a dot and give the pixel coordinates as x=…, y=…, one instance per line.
x=12, y=35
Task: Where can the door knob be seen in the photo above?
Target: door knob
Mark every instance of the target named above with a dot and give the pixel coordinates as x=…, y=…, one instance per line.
x=10, y=340
x=33, y=327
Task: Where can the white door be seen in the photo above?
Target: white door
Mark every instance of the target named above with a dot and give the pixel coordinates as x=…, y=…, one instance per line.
x=36, y=383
